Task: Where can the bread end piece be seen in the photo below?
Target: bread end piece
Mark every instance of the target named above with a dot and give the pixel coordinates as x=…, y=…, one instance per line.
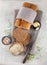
x=30, y=5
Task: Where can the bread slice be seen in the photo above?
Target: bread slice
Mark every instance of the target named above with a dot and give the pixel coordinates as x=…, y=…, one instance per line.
x=16, y=48
x=21, y=36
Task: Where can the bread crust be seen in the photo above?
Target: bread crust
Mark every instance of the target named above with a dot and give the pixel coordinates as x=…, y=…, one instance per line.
x=22, y=24
x=30, y=5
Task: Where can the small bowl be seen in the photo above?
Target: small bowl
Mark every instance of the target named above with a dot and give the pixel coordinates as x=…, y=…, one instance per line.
x=6, y=40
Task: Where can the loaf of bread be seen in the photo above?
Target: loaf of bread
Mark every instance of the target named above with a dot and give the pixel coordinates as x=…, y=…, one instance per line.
x=21, y=36
x=23, y=23
x=16, y=48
